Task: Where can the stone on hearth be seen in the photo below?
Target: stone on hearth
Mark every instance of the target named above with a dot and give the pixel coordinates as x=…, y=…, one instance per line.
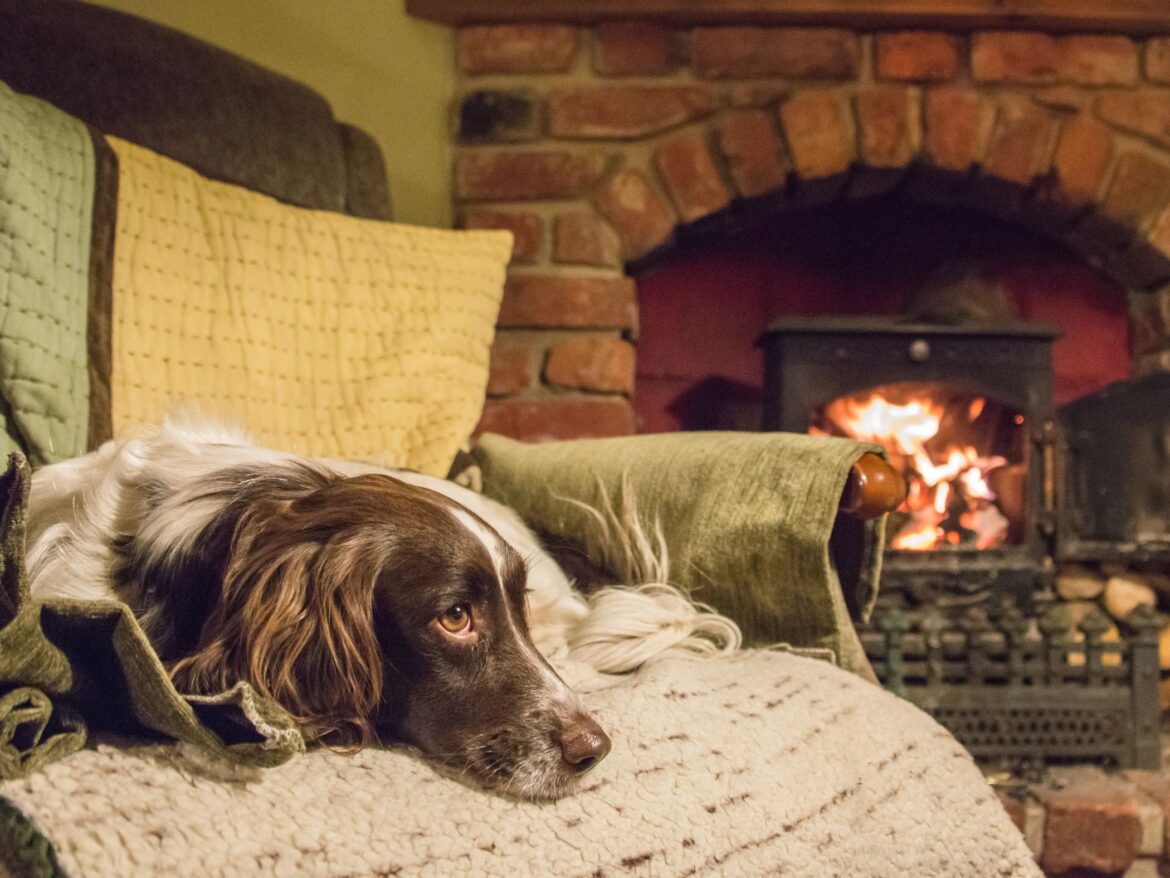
x=1123, y=594
x=1077, y=583
x=1073, y=612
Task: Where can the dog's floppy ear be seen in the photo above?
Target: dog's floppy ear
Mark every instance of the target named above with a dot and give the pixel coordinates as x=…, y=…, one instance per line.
x=295, y=620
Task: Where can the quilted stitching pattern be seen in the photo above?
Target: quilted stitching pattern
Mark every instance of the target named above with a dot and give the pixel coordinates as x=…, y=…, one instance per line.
x=320, y=333
x=46, y=202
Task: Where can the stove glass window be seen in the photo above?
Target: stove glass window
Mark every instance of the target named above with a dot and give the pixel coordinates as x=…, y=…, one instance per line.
x=964, y=457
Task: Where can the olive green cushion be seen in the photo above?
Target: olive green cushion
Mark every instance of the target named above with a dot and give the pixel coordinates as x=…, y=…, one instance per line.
x=747, y=518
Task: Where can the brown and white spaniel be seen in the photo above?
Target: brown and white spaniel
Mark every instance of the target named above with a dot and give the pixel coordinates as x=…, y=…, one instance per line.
x=372, y=604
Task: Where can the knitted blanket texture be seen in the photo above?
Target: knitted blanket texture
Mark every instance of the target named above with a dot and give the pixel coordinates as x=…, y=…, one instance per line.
x=762, y=764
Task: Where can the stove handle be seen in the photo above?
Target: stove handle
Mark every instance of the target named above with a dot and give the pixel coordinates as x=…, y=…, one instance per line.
x=873, y=488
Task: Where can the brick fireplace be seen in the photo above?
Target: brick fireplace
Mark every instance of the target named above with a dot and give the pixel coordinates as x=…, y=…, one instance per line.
x=608, y=146
x=657, y=160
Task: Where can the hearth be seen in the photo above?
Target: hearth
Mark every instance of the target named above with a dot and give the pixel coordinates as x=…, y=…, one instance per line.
x=1002, y=489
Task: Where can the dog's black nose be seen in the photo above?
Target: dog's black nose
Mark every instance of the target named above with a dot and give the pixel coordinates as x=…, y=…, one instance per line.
x=583, y=744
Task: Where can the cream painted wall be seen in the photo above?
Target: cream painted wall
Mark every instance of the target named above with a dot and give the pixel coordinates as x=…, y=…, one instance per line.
x=380, y=69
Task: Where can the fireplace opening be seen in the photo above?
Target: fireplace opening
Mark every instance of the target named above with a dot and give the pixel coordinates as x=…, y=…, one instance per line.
x=964, y=457
x=961, y=344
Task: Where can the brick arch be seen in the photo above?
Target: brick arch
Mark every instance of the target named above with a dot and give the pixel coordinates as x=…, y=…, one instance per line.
x=1073, y=175
x=638, y=138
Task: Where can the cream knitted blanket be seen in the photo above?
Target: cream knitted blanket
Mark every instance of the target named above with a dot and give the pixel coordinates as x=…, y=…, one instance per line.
x=763, y=763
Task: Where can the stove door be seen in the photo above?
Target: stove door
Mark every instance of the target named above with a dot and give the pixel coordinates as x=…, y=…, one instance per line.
x=1114, y=473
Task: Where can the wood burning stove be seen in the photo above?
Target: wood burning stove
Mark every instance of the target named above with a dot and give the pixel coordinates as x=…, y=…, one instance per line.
x=1001, y=487
x=962, y=412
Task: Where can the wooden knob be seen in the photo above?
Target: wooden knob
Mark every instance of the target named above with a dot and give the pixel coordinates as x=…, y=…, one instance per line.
x=873, y=488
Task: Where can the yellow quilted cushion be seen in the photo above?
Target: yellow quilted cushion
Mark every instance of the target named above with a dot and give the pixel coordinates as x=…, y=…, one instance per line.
x=319, y=333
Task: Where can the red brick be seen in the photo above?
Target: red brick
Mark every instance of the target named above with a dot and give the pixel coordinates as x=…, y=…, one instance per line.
x=633, y=48
x=802, y=53
x=527, y=229
x=1158, y=59
x=922, y=56
x=516, y=48
x=1021, y=142
x=1062, y=97
x=561, y=301
x=626, y=110
x=1092, y=824
x=637, y=211
x=684, y=161
x=602, y=363
x=1082, y=158
x=547, y=419
x=819, y=131
x=752, y=151
x=508, y=176
x=512, y=365
x=889, y=130
x=757, y=94
x=958, y=124
x=1142, y=111
x=1138, y=192
x=1097, y=59
x=581, y=237
x=1014, y=56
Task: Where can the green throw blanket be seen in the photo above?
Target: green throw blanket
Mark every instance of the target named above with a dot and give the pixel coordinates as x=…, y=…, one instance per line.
x=747, y=518
x=68, y=666
x=46, y=209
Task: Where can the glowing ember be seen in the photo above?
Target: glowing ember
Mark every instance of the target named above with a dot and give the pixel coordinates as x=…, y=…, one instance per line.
x=950, y=502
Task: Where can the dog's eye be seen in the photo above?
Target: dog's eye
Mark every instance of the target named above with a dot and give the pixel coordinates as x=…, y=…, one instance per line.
x=456, y=620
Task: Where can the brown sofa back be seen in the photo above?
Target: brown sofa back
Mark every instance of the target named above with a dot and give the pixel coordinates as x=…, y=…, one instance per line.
x=224, y=116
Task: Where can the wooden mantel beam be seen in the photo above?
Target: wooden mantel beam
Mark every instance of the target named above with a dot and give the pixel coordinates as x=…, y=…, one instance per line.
x=1137, y=17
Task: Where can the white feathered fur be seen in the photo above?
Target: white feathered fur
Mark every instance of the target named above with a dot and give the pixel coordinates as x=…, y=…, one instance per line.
x=79, y=508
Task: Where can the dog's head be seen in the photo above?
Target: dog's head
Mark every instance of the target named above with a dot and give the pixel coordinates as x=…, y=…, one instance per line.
x=367, y=606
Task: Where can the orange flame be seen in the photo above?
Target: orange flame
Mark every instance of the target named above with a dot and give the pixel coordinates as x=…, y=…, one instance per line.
x=949, y=501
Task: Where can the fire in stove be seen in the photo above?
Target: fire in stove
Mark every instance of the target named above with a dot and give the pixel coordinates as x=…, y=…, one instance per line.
x=962, y=456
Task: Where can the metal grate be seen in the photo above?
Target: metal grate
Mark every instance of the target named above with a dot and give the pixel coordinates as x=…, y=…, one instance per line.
x=1033, y=688
x=989, y=731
